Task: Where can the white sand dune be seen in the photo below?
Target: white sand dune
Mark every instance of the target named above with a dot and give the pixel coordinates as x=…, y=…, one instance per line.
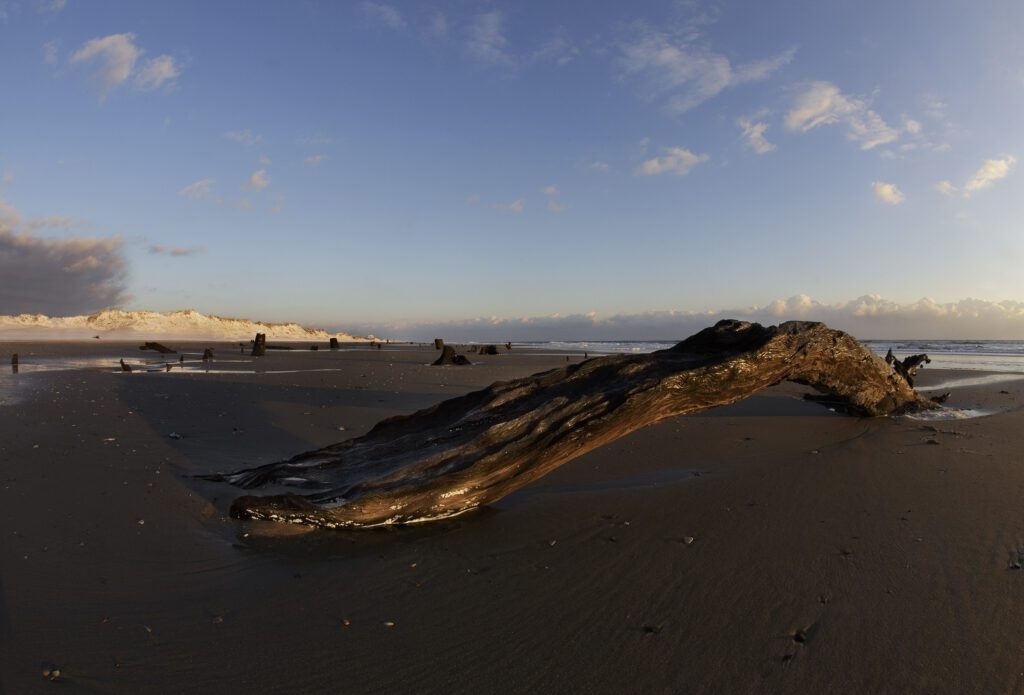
x=181, y=325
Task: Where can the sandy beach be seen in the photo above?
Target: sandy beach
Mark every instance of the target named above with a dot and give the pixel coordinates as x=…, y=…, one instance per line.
x=768, y=546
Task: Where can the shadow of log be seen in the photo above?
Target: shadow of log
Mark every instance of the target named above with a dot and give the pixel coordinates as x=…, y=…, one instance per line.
x=475, y=449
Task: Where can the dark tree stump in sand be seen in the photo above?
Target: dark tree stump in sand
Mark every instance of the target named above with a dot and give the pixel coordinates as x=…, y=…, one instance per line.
x=438, y=343
x=162, y=349
x=259, y=345
x=508, y=346
x=488, y=350
x=448, y=356
x=125, y=367
x=314, y=347
x=207, y=355
x=472, y=450
x=14, y=363
x=334, y=343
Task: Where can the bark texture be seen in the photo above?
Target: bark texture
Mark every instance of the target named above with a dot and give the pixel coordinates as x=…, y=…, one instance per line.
x=472, y=450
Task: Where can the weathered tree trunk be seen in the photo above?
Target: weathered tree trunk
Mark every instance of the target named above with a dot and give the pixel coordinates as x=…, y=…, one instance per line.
x=474, y=449
x=438, y=343
x=259, y=345
x=207, y=354
x=334, y=343
x=450, y=357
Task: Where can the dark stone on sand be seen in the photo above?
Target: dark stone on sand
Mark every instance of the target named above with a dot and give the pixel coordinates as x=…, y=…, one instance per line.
x=334, y=343
x=207, y=354
x=162, y=349
x=472, y=450
x=438, y=343
x=314, y=347
x=448, y=356
x=488, y=349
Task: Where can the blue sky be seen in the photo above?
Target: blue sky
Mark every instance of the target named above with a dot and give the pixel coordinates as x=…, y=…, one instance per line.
x=398, y=165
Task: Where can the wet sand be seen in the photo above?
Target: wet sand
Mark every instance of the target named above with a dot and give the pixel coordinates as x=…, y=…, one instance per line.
x=770, y=546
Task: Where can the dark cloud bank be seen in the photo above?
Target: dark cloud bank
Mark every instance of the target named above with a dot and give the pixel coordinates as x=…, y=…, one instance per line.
x=57, y=277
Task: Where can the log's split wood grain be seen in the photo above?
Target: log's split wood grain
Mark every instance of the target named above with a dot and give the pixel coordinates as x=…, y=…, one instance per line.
x=472, y=450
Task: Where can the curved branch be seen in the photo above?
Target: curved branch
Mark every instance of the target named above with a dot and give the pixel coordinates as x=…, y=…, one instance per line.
x=472, y=450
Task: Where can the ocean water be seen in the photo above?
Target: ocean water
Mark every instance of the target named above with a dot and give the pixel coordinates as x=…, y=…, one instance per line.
x=984, y=355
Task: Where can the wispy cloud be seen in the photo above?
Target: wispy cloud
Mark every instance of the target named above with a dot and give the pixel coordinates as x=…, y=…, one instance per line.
x=158, y=72
x=56, y=276
x=314, y=160
x=822, y=103
x=991, y=170
x=516, y=206
x=50, y=5
x=887, y=193
x=753, y=133
x=676, y=160
x=601, y=167
x=50, y=52
x=684, y=71
x=258, y=181
x=244, y=137
x=114, y=59
x=175, y=251
x=383, y=15
x=197, y=189
x=437, y=27
x=486, y=41
x=554, y=202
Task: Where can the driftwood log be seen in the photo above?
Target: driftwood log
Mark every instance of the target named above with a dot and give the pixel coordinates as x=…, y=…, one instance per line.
x=472, y=450
x=159, y=347
x=334, y=343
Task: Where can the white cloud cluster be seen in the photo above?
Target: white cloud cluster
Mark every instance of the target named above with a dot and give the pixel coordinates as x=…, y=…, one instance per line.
x=686, y=73
x=676, y=160
x=887, y=193
x=56, y=276
x=822, y=103
x=114, y=59
x=866, y=317
x=753, y=133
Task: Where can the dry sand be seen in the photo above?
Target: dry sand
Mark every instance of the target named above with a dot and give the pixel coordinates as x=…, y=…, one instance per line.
x=771, y=546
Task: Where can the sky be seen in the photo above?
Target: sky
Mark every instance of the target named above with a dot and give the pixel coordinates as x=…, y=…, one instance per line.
x=536, y=169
